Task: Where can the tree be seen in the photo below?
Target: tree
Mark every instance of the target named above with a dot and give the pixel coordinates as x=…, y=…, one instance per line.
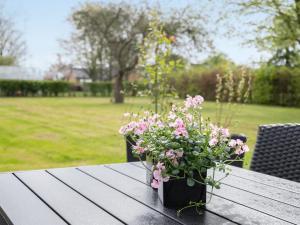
x=158, y=62
x=276, y=25
x=107, y=37
x=12, y=46
x=7, y=61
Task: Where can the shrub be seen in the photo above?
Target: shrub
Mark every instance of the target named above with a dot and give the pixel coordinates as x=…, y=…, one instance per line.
x=197, y=81
x=32, y=88
x=277, y=85
x=103, y=88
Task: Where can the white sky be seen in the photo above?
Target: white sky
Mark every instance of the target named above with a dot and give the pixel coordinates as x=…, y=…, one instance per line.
x=44, y=22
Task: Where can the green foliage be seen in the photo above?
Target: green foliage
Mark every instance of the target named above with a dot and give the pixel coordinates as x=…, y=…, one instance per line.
x=201, y=78
x=277, y=85
x=7, y=61
x=276, y=26
x=156, y=60
x=104, y=89
x=14, y=88
x=33, y=88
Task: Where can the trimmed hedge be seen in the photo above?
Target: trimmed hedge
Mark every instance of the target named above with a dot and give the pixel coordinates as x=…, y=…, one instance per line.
x=33, y=88
x=103, y=89
x=14, y=88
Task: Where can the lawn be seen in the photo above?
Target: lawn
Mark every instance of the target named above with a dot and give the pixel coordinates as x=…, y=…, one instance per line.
x=59, y=132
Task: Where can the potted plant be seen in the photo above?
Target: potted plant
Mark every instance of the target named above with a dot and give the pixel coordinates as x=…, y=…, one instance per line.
x=184, y=147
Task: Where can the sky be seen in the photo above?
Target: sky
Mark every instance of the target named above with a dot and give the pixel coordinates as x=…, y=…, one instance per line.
x=44, y=22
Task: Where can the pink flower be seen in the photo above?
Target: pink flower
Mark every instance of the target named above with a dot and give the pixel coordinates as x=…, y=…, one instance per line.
x=138, y=148
x=195, y=102
x=239, y=142
x=171, y=116
x=225, y=132
x=170, y=154
x=219, y=133
x=213, y=141
x=141, y=127
x=189, y=117
x=124, y=130
x=157, y=174
x=239, y=146
x=155, y=184
x=180, y=129
x=232, y=143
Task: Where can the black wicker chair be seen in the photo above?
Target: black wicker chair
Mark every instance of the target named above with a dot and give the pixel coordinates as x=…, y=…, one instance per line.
x=277, y=151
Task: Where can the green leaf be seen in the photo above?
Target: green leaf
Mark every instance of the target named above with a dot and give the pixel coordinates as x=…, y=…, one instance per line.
x=190, y=182
x=175, y=172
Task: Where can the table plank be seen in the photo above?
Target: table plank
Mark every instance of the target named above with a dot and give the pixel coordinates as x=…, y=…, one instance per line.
x=116, y=203
x=278, y=194
x=145, y=194
x=266, y=179
x=22, y=206
x=232, y=197
x=73, y=207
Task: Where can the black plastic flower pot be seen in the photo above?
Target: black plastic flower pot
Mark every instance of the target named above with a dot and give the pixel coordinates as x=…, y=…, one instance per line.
x=129, y=147
x=177, y=194
x=243, y=138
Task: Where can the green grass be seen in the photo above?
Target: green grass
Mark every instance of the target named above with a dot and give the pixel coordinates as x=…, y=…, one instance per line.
x=58, y=132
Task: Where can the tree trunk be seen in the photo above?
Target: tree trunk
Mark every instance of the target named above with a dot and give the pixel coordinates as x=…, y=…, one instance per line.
x=119, y=95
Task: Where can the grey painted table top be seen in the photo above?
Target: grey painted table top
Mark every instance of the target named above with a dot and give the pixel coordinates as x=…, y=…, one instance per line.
x=118, y=194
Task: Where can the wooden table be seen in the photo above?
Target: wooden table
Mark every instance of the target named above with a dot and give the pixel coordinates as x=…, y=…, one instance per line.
x=117, y=194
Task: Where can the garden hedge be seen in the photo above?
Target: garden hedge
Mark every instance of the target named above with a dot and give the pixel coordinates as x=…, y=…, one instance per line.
x=33, y=88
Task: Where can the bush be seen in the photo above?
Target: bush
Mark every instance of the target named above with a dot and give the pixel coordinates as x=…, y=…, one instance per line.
x=197, y=81
x=277, y=85
x=33, y=88
x=133, y=88
x=104, y=89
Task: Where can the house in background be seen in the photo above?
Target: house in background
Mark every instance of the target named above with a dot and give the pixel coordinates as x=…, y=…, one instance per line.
x=67, y=73
x=19, y=73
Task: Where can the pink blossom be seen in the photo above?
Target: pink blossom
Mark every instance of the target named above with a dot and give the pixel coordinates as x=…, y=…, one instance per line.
x=160, y=124
x=239, y=146
x=180, y=129
x=220, y=133
x=239, y=142
x=245, y=148
x=138, y=148
x=171, y=116
x=189, y=117
x=157, y=174
x=225, y=132
x=155, y=184
x=160, y=166
x=170, y=154
x=195, y=102
x=232, y=143
x=213, y=141
x=128, y=128
x=141, y=127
